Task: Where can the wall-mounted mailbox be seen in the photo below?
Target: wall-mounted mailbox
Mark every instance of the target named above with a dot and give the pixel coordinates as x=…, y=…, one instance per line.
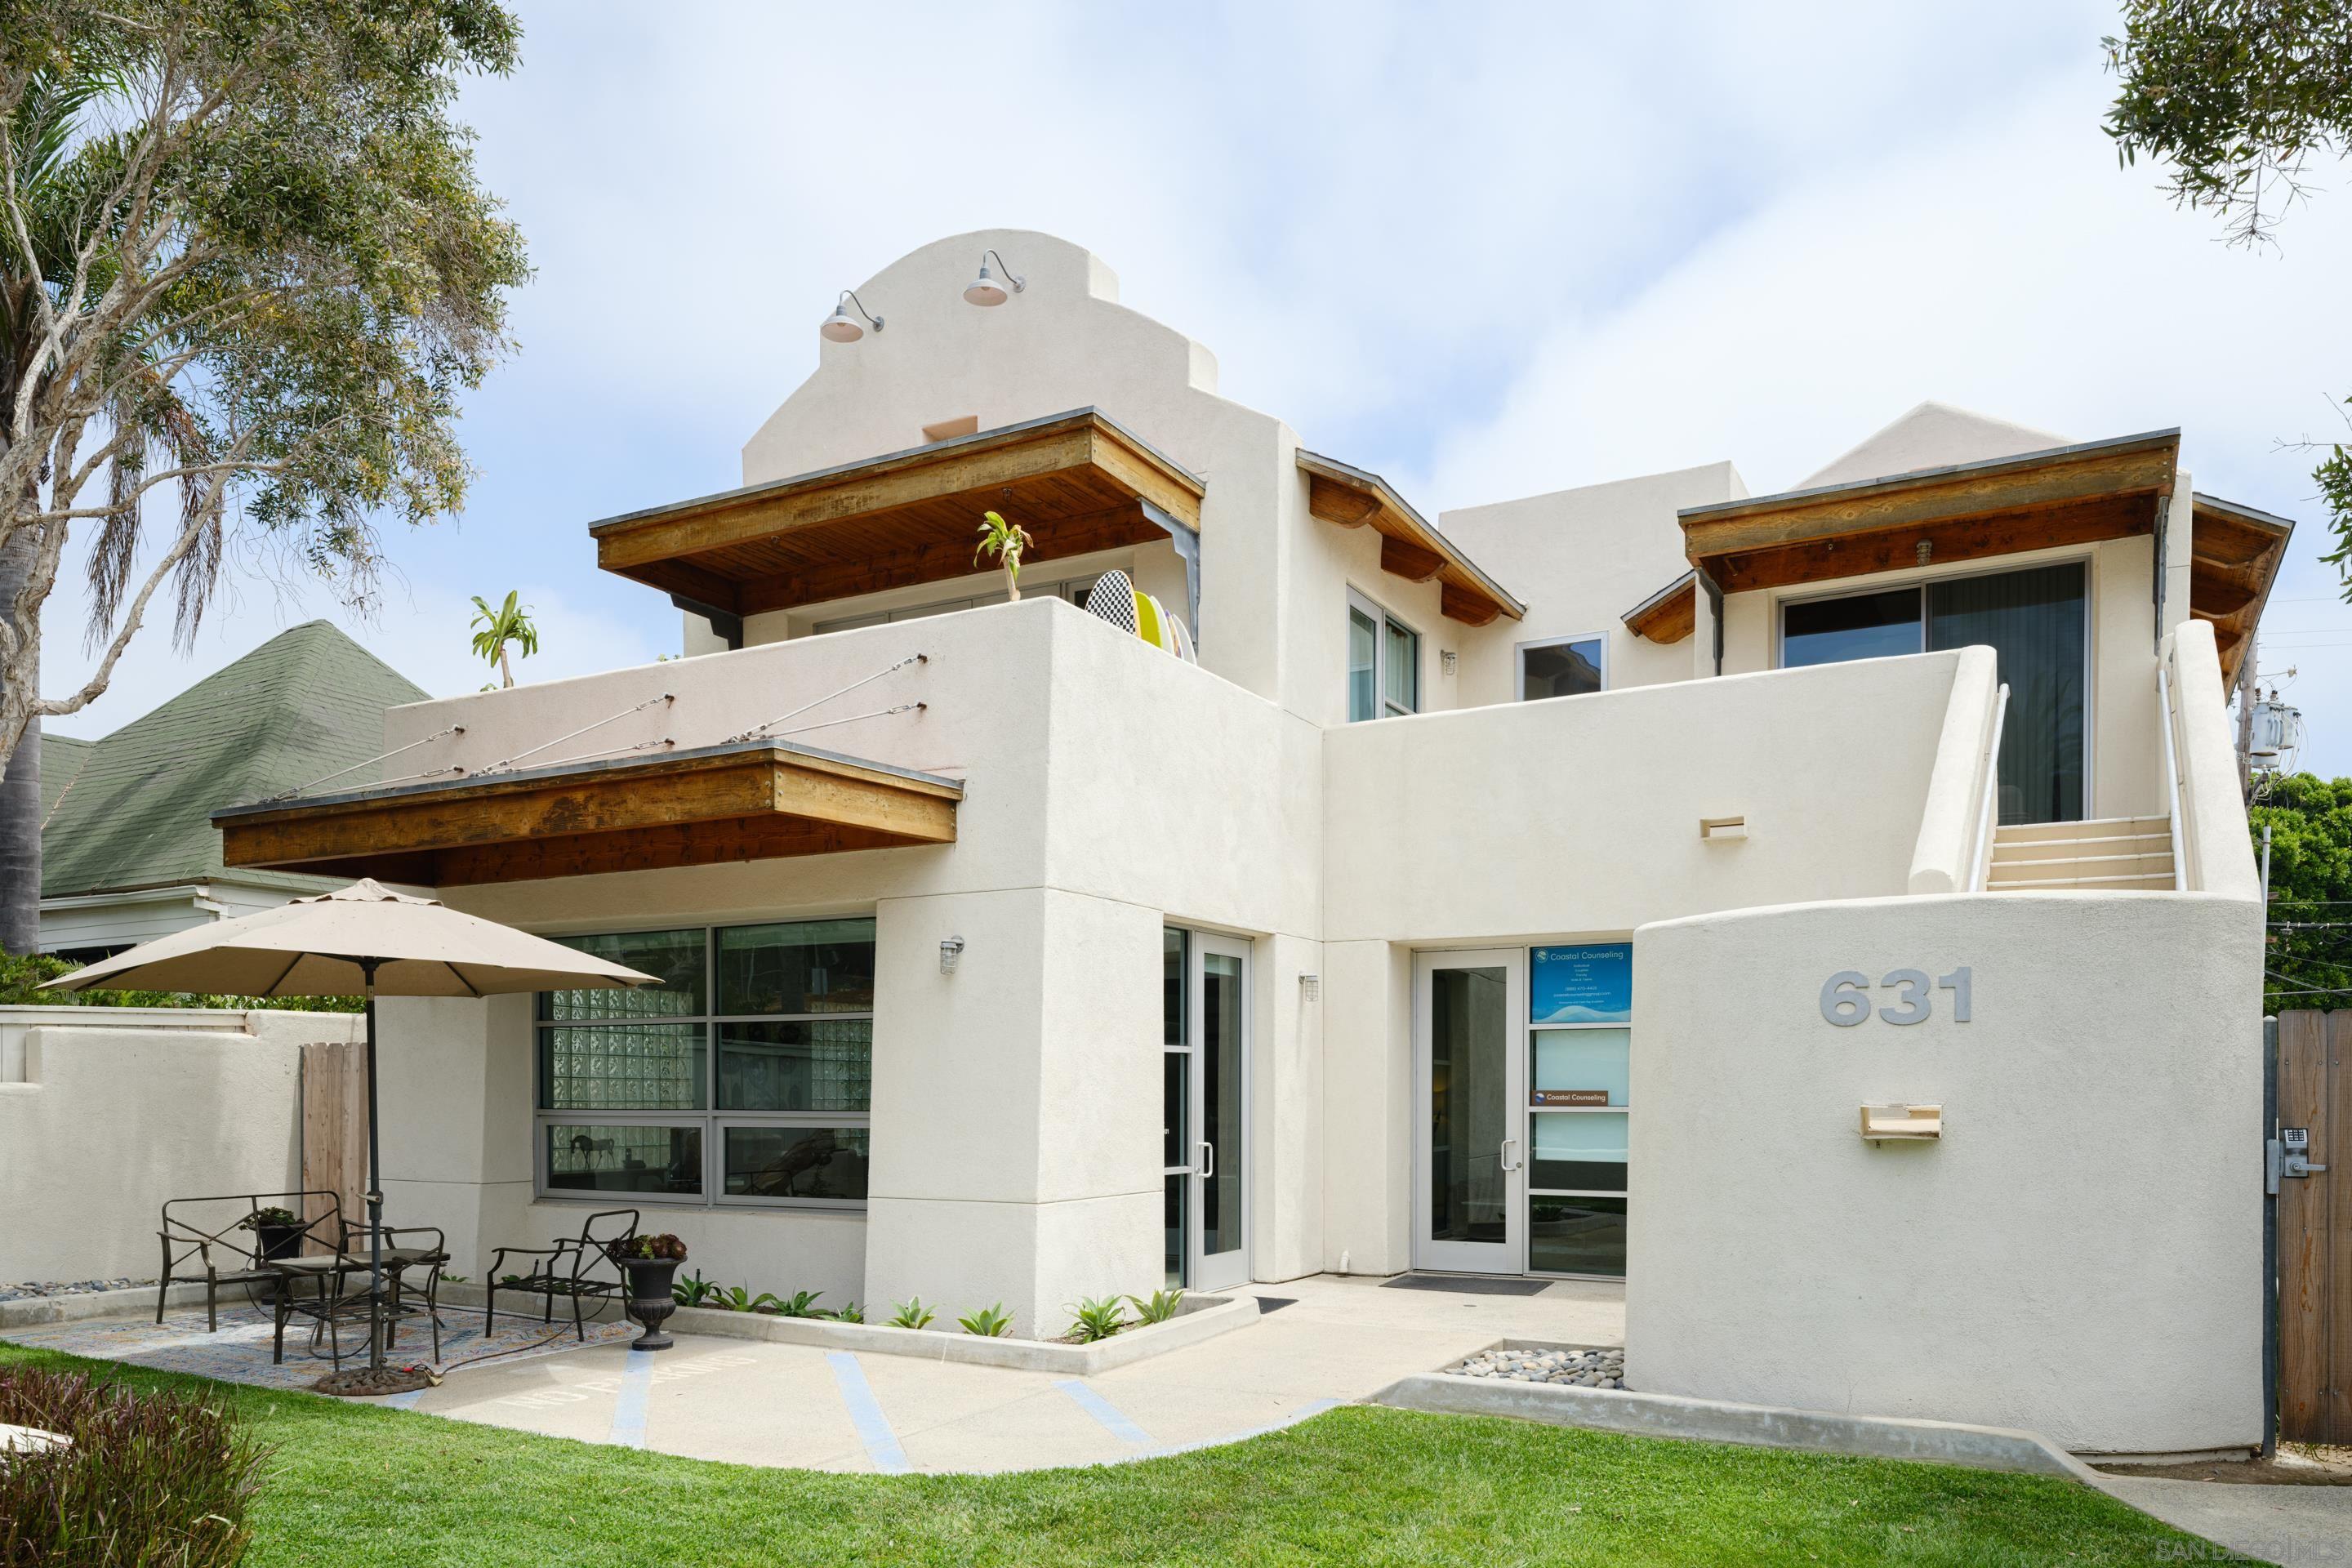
x=1908, y=1123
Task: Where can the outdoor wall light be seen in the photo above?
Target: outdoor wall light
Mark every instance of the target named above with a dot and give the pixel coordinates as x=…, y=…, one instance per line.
x=1310, y=987
x=950, y=949
x=841, y=327
x=1448, y=660
x=986, y=290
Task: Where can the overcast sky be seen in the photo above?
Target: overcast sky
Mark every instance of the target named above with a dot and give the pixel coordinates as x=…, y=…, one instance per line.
x=1488, y=251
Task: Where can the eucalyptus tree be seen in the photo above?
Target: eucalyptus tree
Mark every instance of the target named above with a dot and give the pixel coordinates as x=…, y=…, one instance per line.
x=246, y=261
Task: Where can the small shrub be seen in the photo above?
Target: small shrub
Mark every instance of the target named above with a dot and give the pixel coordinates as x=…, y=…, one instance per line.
x=852, y=1313
x=1158, y=1308
x=741, y=1300
x=1097, y=1319
x=151, y=1480
x=260, y=1217
x=802, y=1305
x=989, y=1323
x=912, y=1314
x=695, y=1290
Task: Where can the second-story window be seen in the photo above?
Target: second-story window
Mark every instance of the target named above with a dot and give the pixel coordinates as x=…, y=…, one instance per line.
x=1384, y=663
x=1562, y=667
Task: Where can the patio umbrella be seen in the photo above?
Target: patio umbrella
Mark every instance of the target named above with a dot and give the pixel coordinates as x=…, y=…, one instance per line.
x=361, y=940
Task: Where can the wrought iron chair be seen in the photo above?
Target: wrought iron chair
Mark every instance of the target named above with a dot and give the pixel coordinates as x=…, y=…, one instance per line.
x=580, y=1266
x=197, y=1251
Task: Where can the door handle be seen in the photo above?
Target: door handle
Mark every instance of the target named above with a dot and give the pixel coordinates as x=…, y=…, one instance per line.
x=1505, y=1156
x=1208, y=1159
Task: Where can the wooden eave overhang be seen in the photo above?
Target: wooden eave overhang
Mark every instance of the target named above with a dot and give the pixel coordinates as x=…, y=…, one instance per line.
x=2234, y=556
x=748, y=800
x=1410, y=546
x=2067, y=495
x=1669, y=615
x=1076, y=481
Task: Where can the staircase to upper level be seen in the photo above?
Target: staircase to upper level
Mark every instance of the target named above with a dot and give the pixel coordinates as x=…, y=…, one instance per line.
x=2119, y=853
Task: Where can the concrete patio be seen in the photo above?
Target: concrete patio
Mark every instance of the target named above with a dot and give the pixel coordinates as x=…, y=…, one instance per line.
x=1322, y=1342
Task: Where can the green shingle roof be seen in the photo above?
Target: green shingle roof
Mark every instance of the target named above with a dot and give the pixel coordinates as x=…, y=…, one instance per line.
x=303, y=704
x=61, y=759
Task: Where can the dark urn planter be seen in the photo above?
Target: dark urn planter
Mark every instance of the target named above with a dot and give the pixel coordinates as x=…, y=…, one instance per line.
x=276, y=1241
x=650, y=1300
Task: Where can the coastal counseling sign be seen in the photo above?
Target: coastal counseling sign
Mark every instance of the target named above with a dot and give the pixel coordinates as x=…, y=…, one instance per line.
x=1588, y=983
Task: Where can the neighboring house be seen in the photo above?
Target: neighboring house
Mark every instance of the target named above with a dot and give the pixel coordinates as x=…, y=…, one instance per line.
x=1615, y=883
x=128, y=848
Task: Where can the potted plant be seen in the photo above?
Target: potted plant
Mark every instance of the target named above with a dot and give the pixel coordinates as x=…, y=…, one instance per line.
x=1006, y=541
x=649, y=1264
x=276, y=1233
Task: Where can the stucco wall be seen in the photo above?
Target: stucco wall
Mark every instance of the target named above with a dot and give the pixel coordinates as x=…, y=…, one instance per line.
x=1582, y=814
x=2126, y=754
x=1579, y=559
x=103, y=1120
x=2080, y=1254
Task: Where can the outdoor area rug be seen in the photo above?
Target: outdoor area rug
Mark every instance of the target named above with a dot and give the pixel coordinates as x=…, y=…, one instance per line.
x=239, y=1353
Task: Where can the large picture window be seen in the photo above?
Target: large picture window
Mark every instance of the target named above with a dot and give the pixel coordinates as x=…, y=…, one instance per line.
x=2037, y=622
x=745, y=1078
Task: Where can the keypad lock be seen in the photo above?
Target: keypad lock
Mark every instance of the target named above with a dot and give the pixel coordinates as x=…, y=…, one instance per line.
x=2295, y=1153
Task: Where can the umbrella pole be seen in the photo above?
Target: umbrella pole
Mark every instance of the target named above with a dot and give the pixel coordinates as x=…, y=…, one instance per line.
x=375, y=1190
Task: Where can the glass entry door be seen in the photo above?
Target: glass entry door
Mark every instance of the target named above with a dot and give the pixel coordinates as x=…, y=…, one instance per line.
x=1204, y=1089
x=1469, y=1095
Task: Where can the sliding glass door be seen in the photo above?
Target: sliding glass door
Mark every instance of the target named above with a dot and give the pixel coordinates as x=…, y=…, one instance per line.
x=2036, y=621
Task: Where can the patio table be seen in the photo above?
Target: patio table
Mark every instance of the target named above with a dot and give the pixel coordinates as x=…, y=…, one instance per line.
x=329, y=1304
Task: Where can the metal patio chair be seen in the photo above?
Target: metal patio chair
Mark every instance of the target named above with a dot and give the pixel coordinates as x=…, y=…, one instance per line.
x=335, y=1302
x=197, y=1251
x=580, y=1266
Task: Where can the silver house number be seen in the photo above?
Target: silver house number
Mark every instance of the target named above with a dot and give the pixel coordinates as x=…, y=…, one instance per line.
x=1846, y=1001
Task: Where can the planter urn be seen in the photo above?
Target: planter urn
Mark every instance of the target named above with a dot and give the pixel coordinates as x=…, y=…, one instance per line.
x=277, y=1241
x=648, y=1299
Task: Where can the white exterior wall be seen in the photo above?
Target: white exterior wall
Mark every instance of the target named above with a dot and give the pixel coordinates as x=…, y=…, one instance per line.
x=2126, y=754
x=1579, y=559
x=107, y=1112
x=2079, y=1254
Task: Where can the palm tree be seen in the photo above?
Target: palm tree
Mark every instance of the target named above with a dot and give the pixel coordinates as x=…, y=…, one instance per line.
x=1006, y=541
x=509, y=622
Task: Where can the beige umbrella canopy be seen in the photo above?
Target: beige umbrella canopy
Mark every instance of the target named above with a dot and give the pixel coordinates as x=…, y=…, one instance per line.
x=361, y=940
x=320, y=947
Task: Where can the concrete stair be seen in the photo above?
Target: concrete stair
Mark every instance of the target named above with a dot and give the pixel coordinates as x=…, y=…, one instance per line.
x=2120, y=853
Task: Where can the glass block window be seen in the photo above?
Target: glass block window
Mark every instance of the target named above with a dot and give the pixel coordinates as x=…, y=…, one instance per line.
x=745, y=1078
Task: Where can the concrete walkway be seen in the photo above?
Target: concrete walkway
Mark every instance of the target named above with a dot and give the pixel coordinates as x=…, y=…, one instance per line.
x=1340, y=1339
x=2299, y=1527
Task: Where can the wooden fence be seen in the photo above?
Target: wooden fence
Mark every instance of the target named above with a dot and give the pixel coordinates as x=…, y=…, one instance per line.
x=2314, y=1230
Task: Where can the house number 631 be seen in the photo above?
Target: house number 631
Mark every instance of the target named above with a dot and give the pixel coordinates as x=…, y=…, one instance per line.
x=1845, y=998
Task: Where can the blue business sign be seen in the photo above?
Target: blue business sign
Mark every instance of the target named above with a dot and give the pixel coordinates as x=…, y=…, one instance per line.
x=1588, y=983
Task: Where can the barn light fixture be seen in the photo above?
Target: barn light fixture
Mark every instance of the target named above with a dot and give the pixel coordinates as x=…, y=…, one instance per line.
x=841, y=327
x=987, y=289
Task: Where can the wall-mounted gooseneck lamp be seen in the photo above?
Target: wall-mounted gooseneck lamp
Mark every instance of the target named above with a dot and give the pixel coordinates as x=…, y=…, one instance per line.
x=987, y=289
x=841, y=327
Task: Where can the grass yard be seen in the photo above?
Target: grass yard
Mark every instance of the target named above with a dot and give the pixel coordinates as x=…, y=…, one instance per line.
x=352, y=1486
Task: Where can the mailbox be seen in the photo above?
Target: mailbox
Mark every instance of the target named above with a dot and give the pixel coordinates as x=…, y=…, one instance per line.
x=1905, y=1123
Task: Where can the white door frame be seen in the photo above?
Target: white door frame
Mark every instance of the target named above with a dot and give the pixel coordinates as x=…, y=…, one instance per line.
x=1222, y=1270
x=1509, y=1256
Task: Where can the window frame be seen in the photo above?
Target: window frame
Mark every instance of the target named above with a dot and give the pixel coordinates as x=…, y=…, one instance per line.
x=1384, y=620
x=712, y=1118
x=1520, y=652
x=1920, y=578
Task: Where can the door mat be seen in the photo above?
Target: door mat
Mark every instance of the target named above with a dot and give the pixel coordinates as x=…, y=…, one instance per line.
x=1468, y=1284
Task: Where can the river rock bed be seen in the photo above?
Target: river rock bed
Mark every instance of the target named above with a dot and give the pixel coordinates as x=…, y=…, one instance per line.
x=1548, y=1364
x=67, y=1287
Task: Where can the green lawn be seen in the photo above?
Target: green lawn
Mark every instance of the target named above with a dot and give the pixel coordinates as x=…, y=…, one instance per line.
x=353, y=1486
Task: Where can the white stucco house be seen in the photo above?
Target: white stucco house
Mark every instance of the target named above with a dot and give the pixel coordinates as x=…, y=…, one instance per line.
x=1552, y=888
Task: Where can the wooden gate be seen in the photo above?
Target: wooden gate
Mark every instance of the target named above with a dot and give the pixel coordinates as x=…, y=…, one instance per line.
x=2314, y=1230
x=334, y=1127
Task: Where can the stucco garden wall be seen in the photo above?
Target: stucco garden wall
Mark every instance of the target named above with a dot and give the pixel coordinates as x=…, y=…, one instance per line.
x=105, y=1113
x=2079, y=1254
